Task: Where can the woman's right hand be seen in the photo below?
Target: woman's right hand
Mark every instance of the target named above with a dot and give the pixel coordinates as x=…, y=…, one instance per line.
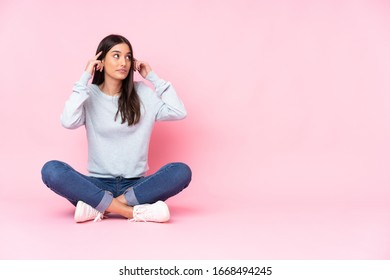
x=93, y=64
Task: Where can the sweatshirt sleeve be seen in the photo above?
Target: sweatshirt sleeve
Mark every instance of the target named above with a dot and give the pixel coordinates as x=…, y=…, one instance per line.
x=170, y=107
x=73, y=114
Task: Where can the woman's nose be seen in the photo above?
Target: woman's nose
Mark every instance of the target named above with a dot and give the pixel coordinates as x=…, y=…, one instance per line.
x=122, y=61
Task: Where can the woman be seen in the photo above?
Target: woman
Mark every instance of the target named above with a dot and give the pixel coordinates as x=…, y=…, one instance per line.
x=118, y=115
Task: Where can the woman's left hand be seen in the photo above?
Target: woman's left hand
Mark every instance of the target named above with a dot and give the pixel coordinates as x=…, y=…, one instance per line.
x=142, y=67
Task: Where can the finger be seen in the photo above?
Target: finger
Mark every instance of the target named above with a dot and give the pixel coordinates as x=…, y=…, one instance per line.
x=136, y=65
x=97, y=55
x=139, y=65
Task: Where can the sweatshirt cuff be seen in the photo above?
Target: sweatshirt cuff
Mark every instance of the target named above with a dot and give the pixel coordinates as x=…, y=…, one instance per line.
x=159, y=84
x=85, y=77
x=152, y=77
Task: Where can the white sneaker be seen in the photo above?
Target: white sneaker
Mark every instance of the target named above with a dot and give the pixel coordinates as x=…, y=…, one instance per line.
x=85, y=212
x=156, y=212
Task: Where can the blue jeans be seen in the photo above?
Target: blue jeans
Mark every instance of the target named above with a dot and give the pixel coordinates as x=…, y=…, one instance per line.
x=99, y=192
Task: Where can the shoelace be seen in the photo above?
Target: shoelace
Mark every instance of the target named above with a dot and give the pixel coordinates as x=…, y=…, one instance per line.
x=136, y=218
x=99, y=217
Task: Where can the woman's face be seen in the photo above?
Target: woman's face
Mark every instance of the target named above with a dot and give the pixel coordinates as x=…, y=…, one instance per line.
x=117, y=62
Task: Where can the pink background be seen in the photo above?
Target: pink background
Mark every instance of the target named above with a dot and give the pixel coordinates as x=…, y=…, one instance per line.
x=288, y=130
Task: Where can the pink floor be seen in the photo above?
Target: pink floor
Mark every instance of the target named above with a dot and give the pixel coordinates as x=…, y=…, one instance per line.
x=287, y=133
x=250, y=229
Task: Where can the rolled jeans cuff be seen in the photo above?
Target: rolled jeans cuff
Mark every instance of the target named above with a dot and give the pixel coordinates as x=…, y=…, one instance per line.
x=105, y=202
x=130, y=197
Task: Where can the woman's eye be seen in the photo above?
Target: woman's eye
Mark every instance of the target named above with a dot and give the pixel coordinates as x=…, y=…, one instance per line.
x=116, y=55
x=128, y=57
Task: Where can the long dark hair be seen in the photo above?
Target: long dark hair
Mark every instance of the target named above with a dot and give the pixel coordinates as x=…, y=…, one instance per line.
x=128, y=103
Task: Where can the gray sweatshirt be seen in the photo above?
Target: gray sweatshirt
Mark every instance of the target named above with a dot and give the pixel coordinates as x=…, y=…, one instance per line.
x=116, y=149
